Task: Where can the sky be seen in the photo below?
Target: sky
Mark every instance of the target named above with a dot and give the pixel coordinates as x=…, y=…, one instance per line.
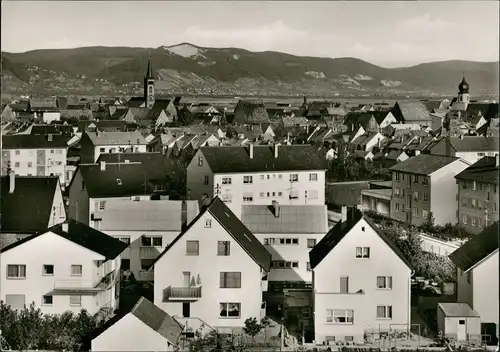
x=389, y=34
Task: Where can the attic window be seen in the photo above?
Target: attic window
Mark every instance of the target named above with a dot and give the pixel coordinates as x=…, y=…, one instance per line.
x=118, y=182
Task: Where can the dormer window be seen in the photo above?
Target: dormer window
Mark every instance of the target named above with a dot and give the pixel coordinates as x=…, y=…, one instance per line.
x=118, y=182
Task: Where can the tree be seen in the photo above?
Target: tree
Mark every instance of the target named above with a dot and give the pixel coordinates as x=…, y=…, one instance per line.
x=265, y=323
x=252, y=327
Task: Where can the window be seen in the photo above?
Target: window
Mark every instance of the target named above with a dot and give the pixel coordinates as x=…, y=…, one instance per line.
x=102, y=204
x=341, y=316
x=75, y=300
x=312, y=194
x=362, y=252
x=344, y=284
x=208, y=223
x=16, y=164
x=226, y=180
x=248, y=179
x=76, y=270
x=396, y=191
x=227, y=198
x=262, y=194
x=269, y=240
x=464, y=219
x=469, y=277
x=17, y=152
x=223, y=248
x=464, y=202
x=415, y=179
x=280, y=194
x=83, y=185
x=313, y=177
x=261, y=177
x=125, y=240
x=47, y=300
x=268, y=177
x=125, y=264
x=415, y=211
x=280, y=176
x=230, y=280
x=308, y=266
x=282, y=264
x=192, y=247
x=30, y=164
x=473, y=185
x=15, y=301
x=425, y=214
x=200, y=161
x=415, y=196
x=206, y=180
x=311, y=242
x=473, y=203
x=16, y=271
x=305, y=313
x=294, y=194
x=384, y=282
x=425, y=181
x=384, y=312
x=48, y=270
x=230, y=310
x=146, y=263
x=397, y=176
x=396, y=206
x=248, y=197
x=474, y=221
x=118, y=182
x=426, y=197
x=102, y=150
x=294, y=177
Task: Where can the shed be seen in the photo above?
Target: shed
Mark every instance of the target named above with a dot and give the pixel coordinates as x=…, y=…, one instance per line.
x=459, y=321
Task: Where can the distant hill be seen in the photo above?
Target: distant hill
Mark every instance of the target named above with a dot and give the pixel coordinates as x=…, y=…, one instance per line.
x=189, y=68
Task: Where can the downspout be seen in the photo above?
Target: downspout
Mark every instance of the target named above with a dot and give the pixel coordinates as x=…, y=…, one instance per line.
x=409, y=298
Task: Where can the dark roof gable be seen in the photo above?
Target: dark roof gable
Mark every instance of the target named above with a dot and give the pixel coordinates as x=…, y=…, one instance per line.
x=484, y=170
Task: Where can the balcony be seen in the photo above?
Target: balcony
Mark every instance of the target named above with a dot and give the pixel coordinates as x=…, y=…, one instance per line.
x=181, y=293
x=64, y=287
x=149, y=252
x=264, y=284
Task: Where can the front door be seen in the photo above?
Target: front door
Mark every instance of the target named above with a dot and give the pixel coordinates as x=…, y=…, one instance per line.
x=461, y=330
x=187, y=278
x=186, y=310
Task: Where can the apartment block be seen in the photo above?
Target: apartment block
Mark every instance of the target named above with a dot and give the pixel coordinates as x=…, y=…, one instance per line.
x=93, y=144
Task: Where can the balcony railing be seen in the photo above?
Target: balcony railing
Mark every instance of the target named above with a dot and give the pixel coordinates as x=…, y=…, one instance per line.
x=181, y=293
x=81, y=286
x=149, y=252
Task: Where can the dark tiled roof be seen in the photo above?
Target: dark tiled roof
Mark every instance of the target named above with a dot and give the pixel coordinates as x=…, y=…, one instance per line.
x=155, y=164
x=253, y=111
x=477, y=248
x=21, y=141
x=410, y=111
x=474, y=144
x=135, y=102
x=33, y=196
x=238, y=231
x=85, y=236
x=423, y=164
x=484, y=170
x=104, y=183
x=340, y=230
x=62, y=102
x=237, y=159
x=51, y=129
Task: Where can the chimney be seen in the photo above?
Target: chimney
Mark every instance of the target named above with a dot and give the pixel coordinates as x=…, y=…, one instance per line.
x=251, y=151
x=344, y=213
x=496, y=160
x=12, y=182
x=276, y=147
x=103, y=165
x=276, y=208
x=49, y=137
x=65, y=227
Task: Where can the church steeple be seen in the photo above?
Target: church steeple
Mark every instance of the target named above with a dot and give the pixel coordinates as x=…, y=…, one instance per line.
x=149, y=86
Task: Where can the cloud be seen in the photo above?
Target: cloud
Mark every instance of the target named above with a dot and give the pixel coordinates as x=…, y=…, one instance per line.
x=425, y=22
x=360, y=48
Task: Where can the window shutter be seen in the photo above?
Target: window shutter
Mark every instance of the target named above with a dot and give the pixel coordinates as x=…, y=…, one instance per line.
x=389, y=282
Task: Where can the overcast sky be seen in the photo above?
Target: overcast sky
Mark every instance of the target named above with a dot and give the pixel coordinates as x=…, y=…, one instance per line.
x=384, y=33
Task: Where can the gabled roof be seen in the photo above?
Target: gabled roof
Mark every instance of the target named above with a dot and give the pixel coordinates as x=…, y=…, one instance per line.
x=474, y=144
x=340, y=230
x=300, y=219
x=117, y=180
x=423, y=164
x=254, y=111
x=135, y=102
x=156, y=165
x=484, y=170
x=83, y=235
x=29, y=141
x=117, y=138
x=152, y=316
x=33, y=196
x=410, y=111
x=235, y=228
x=237, y=159
x=51, y=129
x=476, y=249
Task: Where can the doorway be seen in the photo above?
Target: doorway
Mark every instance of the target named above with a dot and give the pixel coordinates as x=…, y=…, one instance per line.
x=461, y=330
x=186, y=309
x=186, y=278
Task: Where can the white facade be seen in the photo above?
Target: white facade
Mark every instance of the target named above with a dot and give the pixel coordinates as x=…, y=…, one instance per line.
x=59, y=275
x=189, y=285
x=389, y=119
x=38, y=162
x=439, y=247
x=48, y=117
x=362, y=299
x=103, y=149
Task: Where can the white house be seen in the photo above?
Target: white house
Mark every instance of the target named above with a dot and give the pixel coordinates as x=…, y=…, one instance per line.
x=361, y=282
x=29, y=205
x=94, y=144
x=288, y=232
x=469, y=148
x=158, y=331
x=147, y=226
x=477, y=277
x=389, y=119
x=69, y=267
x=215, y=271
x=292, y=174
x=49, y=116
x=35, y=155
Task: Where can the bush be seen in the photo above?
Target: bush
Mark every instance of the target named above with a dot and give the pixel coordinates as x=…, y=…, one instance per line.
x=30, y=329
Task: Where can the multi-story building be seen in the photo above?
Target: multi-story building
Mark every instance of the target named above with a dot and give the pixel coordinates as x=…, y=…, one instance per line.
x=288, y=232
x=147, y=226
x=424, y=189
x=477, y=279
x=93, y=144
x=361, y=282
x=68, y=267
x=35, y=155
x=477, y=195
x=214, y=271
x=29, y=205
x=468, y=148
x=290, y=175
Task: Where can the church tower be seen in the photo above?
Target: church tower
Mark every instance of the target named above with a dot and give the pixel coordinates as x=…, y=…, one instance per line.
x=463, y=92
x=149, y=87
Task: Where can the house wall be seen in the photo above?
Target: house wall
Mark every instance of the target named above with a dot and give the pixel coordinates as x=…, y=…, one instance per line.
x=205, y=268
x=374, y=142
x=449, y=326
x=118, y=337
x=48, y=117
x=443, y=195
x=464, y=287
x=381, y=206
x=38, y=162
x=62, y=254
x=100, y=149
x=474, y=156
x=485, y=291
x=437, y=246
x=195, y=177
x=388, y=120
x=78, y=200
x=58, y=212
x=362, y=272
x=407, y=200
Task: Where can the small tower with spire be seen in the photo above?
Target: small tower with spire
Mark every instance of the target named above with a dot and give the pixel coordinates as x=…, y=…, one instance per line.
x=149, y=87
x=463, y=91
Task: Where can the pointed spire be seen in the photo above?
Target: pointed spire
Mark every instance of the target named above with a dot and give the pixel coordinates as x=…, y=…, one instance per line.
x=149, y=72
